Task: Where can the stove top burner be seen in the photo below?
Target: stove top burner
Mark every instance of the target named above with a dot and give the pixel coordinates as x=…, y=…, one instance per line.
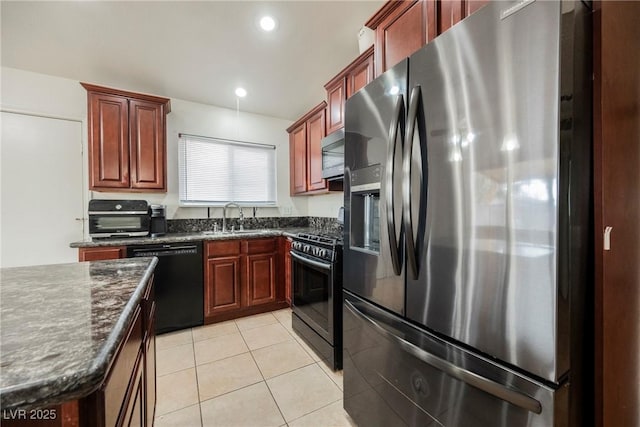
x=322, y=246
x=326, y=239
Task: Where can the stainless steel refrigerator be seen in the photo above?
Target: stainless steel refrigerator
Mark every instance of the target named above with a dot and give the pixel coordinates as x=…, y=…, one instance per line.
x=467, y=227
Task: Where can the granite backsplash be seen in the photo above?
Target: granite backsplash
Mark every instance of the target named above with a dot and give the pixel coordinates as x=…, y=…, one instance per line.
x=203, y=224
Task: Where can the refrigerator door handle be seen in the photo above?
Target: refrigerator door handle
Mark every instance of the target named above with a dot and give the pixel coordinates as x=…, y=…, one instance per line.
x=412, y=255
x=396, y=125
x=488, y=386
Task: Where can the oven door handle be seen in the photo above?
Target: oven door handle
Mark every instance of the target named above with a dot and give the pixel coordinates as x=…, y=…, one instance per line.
x=324, y=266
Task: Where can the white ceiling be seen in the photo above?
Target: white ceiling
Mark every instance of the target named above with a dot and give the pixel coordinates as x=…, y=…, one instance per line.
x=196, y=51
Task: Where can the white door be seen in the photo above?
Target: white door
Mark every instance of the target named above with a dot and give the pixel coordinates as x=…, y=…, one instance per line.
x=42, y=202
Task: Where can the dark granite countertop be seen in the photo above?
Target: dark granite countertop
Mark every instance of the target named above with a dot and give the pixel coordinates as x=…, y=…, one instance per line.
x=61, y=327
x=190, y=237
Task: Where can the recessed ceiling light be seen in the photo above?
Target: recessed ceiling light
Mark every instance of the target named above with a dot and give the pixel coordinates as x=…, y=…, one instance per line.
x=267, y=23
x=240, y=92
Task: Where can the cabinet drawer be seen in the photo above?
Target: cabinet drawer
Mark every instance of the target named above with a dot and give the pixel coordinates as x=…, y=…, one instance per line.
x=99, y=254
x=259, y=246
x=115, y=389
x=133, y=408
x=223, y=248
x=148, y=304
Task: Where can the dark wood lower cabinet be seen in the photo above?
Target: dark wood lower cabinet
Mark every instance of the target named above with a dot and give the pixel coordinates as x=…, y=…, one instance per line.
x=222, y=289
x=286, y=254
x=617, y=205
x=101, y=253
x=261, y=278
x=134, y=412
x=128, y=395
x=243, y=277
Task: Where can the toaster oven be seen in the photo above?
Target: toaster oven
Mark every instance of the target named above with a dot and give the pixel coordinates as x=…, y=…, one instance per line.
x=118, y=218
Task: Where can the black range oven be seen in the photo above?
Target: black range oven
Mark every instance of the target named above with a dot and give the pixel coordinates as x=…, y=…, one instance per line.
x=316, y=263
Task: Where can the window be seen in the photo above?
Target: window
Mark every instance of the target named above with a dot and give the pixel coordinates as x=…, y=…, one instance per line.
x=215, y=171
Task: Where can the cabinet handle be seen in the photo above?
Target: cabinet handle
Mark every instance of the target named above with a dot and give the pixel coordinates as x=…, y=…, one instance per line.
x=607, y=238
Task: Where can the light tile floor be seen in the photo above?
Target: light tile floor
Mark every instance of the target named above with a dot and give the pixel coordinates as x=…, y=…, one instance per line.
x=248, y=372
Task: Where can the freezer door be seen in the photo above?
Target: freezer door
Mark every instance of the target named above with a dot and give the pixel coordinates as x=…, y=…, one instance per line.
x=486, y=248
x=374, y=134
x=398, y=375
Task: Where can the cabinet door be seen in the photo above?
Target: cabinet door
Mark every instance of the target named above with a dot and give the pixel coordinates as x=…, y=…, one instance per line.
x=298, y=159
x=147, y=145
x=450, y=13
x=474, y=5
x=108, y=141
x=401, y=33
x=617, y=204
x=335, y=105
x=150, y=375
x=222, y=288
x=316, y=131
x=134, y=408
x=261, y=278
x=287, y=270
x=97, y=254
x=360, y=75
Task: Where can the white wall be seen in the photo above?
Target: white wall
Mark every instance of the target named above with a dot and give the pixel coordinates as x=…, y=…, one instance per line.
x=29, y=92
x=205, y=120
x=326, y=205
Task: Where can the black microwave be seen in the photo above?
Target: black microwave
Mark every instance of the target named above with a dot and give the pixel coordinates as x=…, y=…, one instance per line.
x=118, y=218
x=333, y=155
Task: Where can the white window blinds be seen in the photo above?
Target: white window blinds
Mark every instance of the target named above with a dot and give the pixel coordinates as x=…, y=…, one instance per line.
x=215, y=171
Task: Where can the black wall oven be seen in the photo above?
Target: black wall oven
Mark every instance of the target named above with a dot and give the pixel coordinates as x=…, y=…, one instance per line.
x=316, y=263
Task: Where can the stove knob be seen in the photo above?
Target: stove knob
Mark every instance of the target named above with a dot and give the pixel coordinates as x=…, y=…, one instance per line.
x=322, y=253
x=306, y=249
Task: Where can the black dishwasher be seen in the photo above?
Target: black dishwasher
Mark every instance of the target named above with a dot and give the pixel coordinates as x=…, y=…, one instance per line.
x=178, y=284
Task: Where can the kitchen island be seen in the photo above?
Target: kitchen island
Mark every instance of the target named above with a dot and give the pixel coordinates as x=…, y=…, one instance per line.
x=77, y=342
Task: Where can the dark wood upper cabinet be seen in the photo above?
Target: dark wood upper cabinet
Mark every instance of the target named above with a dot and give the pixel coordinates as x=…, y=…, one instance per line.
x=401, y=27
x=298, y=158
x=348, y=81
x=450, y=12
x=360, y=72
x=147, y=145
x=336, y=95
x=315, y=133
x=305, y=152
x=474, y=5
x=127, y=140
x=108, y=141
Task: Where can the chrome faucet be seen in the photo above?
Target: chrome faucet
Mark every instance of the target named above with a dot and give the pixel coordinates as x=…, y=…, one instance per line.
x=224, y=216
